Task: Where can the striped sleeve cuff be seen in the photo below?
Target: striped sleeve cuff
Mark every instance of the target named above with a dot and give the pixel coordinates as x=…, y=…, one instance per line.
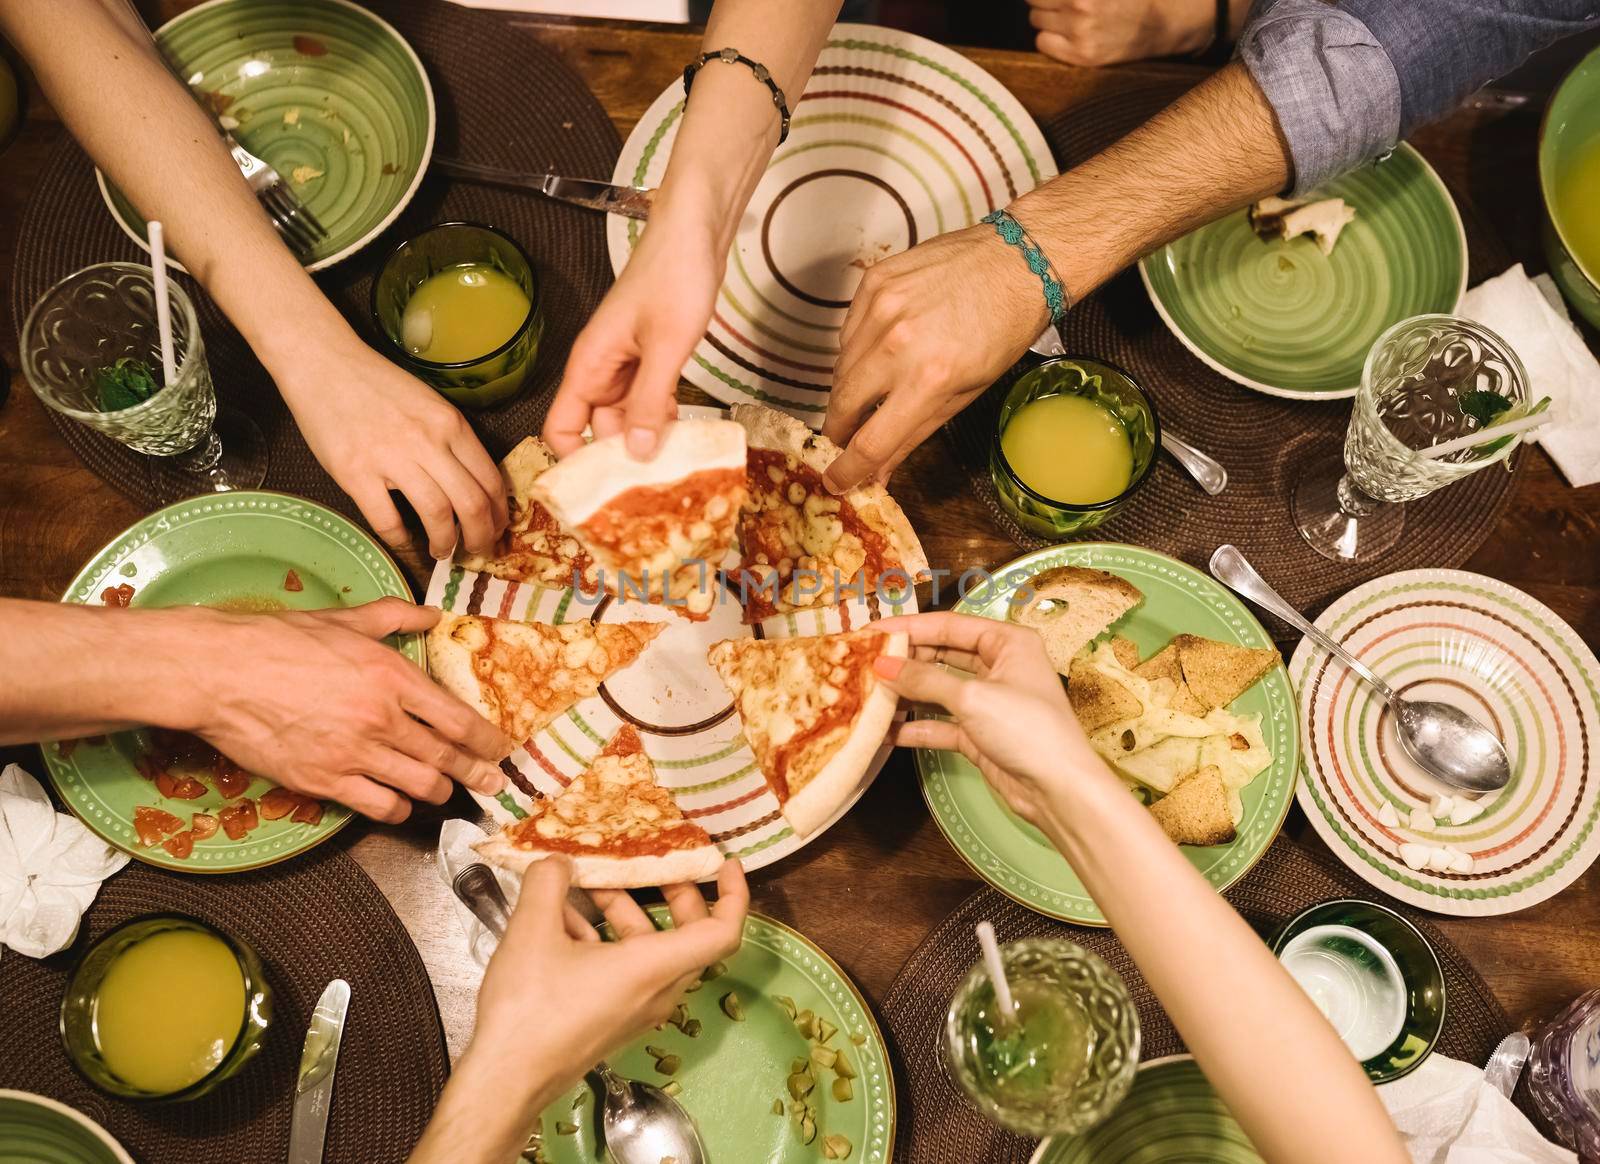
x=1330, y=82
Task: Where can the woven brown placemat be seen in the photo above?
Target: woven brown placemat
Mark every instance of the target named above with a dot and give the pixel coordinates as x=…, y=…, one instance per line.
x=313, y=919
x=937, y=1126
x=1263, y=441
x=503, y=99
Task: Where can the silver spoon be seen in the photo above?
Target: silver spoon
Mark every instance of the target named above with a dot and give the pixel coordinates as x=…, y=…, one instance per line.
x=642, y=1123
x=1205, y=469
x=1444, y=740
x=1505, y=1064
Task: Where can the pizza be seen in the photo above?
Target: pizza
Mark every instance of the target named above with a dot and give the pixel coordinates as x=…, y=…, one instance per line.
x=620, y=828
x=534, y=547
x=802, y=546
x=814, y=714
x=658, y=529
x=521, y=675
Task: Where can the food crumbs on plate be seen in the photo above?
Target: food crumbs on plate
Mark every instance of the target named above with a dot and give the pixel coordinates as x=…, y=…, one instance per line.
x=228, y=123
x=291, y=116
x=563, y=1128
x=120, y=595
x=389, y=168
x=217, y=100
x=344, y=590
x=310, y=46
x=291, y=582
x=346, y=131
x=303, y=174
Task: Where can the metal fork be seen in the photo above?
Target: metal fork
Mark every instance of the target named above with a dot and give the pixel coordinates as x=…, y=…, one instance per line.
x=293, y=220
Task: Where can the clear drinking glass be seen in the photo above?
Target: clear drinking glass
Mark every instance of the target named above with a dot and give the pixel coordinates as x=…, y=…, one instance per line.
x=107, y=312
x=1071, y=1058
x=1413, y=388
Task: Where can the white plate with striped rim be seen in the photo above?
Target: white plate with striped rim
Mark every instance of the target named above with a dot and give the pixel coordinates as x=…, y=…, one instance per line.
x=671, y=695
x=1510, y=661
x=895, y=140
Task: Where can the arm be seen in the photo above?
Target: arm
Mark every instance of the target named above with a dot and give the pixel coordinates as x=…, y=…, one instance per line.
x=624, y=366
x=1107, y=32
x=373, y=427
x=931, y=328
x=1225, y=992
x=313, y=701
x=526, y=1051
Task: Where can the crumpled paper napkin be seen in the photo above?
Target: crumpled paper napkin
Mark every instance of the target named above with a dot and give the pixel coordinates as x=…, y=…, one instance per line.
x=1530, y=316
x=1447, y=1114
x=51, y=867
x=456, y=837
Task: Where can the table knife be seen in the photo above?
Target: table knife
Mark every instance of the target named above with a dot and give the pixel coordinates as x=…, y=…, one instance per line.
x=628, y=201
x=313, y=1091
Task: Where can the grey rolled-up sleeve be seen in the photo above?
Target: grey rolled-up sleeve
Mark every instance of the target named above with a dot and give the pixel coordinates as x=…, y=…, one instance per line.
x=1348, y=79
x=1330, y=82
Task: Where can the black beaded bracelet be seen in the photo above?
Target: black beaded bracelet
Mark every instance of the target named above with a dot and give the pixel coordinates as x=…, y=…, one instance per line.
x=733, y=56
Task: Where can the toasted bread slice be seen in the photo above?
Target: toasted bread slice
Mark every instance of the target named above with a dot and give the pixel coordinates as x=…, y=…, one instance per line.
x=1218, y=673
x=1196, y=812
x=1126, y=652
x=1165, y=664
x=1097, y=699
x=1071, y=605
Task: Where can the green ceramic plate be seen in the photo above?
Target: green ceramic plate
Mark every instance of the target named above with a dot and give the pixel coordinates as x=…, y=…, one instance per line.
x=1011, y=854
x=733, y=1071
x=317, y=86
x=1172, y=1113
x=231, y=549
x=36, y=1130
x=1283, y=318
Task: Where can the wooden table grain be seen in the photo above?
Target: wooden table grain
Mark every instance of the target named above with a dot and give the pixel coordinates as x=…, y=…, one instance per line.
x=873, y=887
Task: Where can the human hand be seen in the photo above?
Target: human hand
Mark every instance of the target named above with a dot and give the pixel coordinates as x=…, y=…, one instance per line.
x=1105, y=32
x=592, y=996
x=623, y=371
x=374, y=428
x=314, y=701
x=1012, y=718
x=928, y=331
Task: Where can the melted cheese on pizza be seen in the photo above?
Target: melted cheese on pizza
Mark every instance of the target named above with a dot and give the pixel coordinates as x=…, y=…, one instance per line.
x=669, y=539
x=798, y=698
x=529, y=673
x=615, y=808
x=534, y=548
x=802, y=546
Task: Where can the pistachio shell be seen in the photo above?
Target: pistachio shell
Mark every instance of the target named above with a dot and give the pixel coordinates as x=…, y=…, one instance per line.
x=668, y=1064
x=787, y=1003
x=838, y=1145
x=842, y=1068
x=823, y=1056
x=842, y=1091
x=563, y=1128
x=732, y=1007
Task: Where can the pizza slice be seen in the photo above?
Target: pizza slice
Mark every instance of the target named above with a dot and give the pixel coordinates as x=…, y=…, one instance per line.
x=814, y=714
x=534, y=547
x=620, y=828
x=521, y=675
x=658, y=529
x=802, y=546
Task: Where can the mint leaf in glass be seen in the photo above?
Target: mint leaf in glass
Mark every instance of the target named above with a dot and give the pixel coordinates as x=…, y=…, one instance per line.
x=128, y=381
x=1483, y=406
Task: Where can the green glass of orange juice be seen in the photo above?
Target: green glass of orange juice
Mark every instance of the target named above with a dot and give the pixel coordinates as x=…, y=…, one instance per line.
x=459, y=306
x=1076, y=438
x=165, y=1006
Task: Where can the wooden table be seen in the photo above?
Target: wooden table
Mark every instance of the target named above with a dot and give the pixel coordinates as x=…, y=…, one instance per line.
x=872, y=888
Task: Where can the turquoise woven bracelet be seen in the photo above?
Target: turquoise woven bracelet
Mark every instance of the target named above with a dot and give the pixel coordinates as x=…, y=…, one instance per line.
x=1012, y=233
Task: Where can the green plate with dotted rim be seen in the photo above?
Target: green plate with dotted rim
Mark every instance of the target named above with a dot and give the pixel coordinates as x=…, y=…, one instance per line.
x=1283, y=318
x=313, y=83
x=733, y=1071
x=1011, y=854
x=221, y=549
x=1171, y=1113
x=38, y=1130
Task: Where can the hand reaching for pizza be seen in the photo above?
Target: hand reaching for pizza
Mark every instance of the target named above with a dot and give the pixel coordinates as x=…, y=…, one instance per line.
x=556, y=1000
x=314, y=701
x=1011, y=715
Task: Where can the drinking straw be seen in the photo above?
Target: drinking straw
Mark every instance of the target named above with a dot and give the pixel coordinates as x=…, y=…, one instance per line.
x=158, y=272
x=1484, y=435
x=997, y=970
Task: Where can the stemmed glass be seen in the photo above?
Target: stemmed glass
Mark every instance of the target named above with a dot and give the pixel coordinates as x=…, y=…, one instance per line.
x=1427, y=381
x=88, y=321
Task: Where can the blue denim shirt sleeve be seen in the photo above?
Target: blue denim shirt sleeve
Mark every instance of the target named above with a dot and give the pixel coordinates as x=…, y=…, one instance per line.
x=1349, y=80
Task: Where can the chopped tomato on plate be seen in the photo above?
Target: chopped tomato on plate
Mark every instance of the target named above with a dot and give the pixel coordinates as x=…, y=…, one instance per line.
x=152, y=824
x=238, y=819
x=205, y=826
x=181, y=845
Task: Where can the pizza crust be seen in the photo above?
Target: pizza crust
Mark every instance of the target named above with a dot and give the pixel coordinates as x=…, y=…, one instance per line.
x=579, y=485
x=597, y=871
x=556, y=557
x=831, y=789
x=767, y=428
x=450, y=664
